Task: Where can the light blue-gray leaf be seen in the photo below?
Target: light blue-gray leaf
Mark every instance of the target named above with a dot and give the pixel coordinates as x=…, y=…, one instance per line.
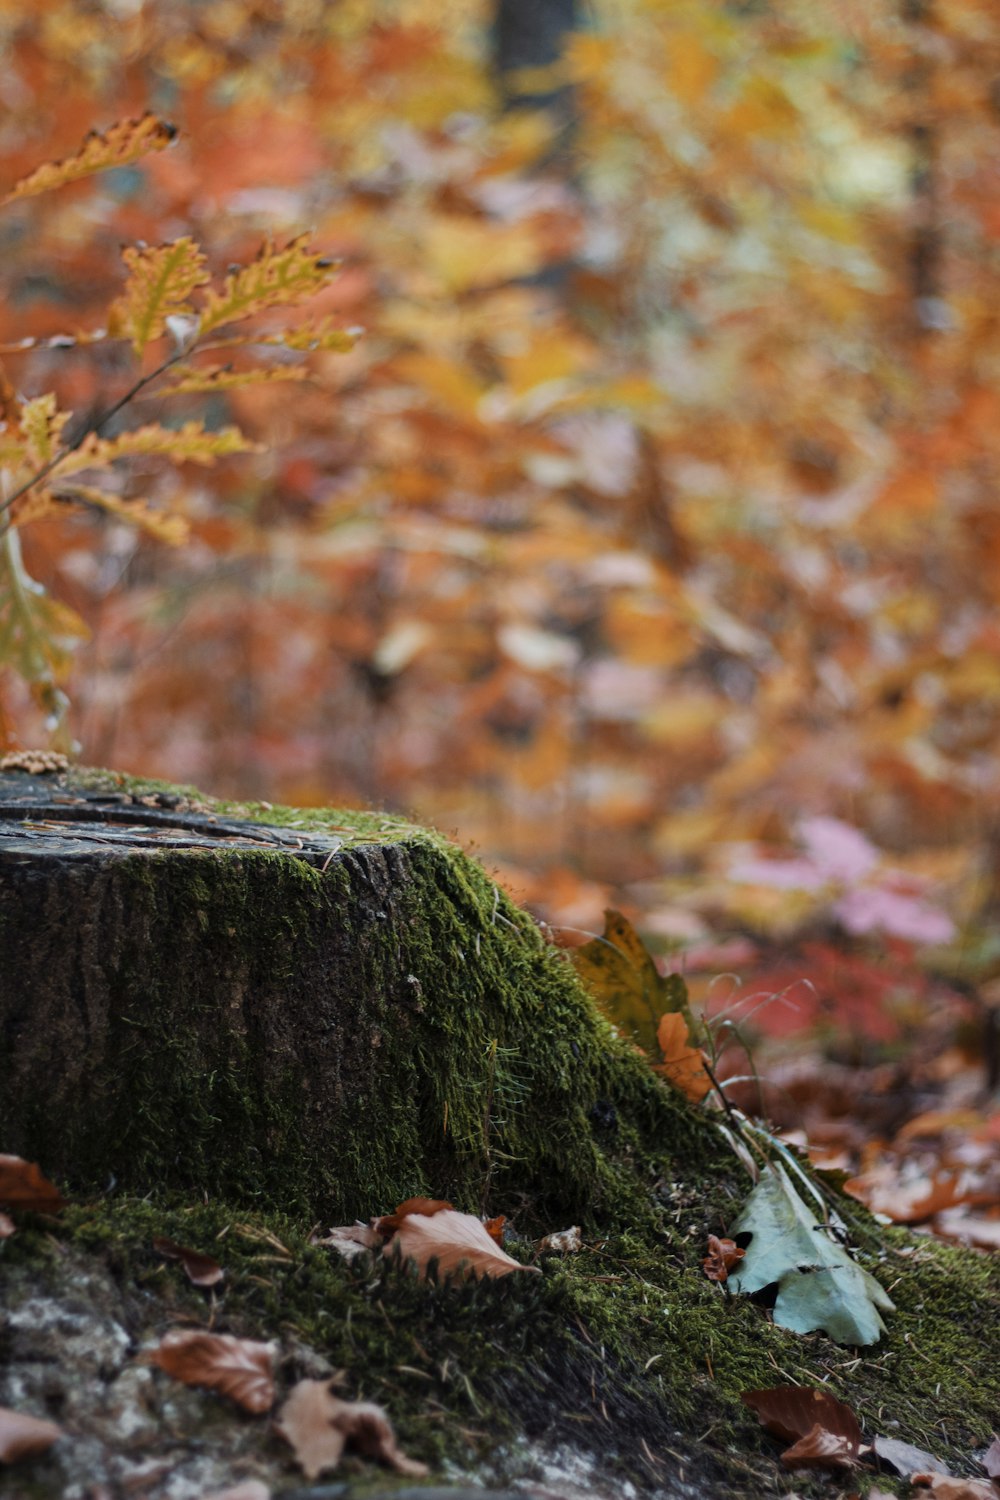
x=819, y=1285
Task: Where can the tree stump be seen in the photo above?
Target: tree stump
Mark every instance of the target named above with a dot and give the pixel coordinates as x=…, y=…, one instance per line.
x=332, y=1011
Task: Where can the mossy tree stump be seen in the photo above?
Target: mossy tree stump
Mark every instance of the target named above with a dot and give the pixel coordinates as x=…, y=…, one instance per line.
x=329, y=1012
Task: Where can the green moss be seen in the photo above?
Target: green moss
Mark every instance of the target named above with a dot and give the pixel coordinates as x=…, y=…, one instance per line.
x=625, y=1351
x=483, y=1075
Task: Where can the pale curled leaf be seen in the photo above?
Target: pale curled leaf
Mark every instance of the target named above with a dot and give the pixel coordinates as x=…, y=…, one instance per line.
x=389, y=1223
x=991, y=1458
x=352, y=1240
x=819, y=1285
x=458, y=1242
x=22, y=1436
x=250, y=1489
x=820, y=1449
x=905, y=1458
x=160, y=281
x=238, y=1368
x=318, y=1426
x=122, y=143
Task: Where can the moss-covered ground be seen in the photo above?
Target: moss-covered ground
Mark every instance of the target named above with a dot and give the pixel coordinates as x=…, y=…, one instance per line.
x=624, y=1350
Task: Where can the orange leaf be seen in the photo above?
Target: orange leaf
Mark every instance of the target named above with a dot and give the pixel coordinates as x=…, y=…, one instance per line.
x=22, y=1436
x=458, y=1242
x=22, y=1186
x=200, y=1269
x=122, y=143
x=722, y=1256
x=318, y=1425
x=389, y=1223
x=682, y=1065
x=238, y=1368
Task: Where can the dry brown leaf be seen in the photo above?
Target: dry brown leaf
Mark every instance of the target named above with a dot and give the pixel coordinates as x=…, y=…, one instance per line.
x=822, y=1429
x=821, y=1449
x=200, y=1269
x=458, y=1242
x=947, y=1487
x=238, y=1368
x=318, y=1426
x=722, y=1255
x=7, y=1226
x=22, y=1436
x=22, y=1186
x=389, y=1223
x=682, y=1065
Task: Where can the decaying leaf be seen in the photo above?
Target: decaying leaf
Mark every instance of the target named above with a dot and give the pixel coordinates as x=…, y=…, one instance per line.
x=22, y=1186
x=238, y=1368
x=824, y=1433
x=458, y=1242
x=121, y=144
x=318, y=1425
x=682, y=1065
x=352, y=1240
x=566, y=1241
x=819, y=1285
x=7, y=1226
x=947, y=1487
x=905, y=1458
x=622, y=974
x=200, y=1269
x=723, y=1255
x=991, y=1458
x=389, y=1223
x=250, y=1489
x=22, y=1436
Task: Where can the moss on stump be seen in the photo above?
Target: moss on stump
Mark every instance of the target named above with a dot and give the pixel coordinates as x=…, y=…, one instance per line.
x=330, y=1029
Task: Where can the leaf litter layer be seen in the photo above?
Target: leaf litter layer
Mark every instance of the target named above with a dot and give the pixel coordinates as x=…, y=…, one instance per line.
x=624, y=1351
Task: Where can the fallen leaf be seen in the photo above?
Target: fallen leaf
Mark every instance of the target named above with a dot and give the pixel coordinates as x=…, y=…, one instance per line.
x=22, y=1186
x=7, y=1226
x=250, y=1489
x=238, y=1368
x=946, y=1487
x=458, y=1242
x=820, y=1449
x=566, y=1241
x=905, y=1458
x=991, y=1458
x=682, y=1065
x=22, y=1436
x=389, y=1223
x=819, y=1285
x=318, y=1426
x=797, y=1413
x=200, y=1269
x=622, y=974
x=352, y=1240
x=722, y=1256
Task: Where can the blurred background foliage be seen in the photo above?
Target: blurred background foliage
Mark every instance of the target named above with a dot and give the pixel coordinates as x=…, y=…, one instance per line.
x=651, y=529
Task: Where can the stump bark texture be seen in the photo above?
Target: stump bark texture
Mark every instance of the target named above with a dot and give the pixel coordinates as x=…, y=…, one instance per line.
x=334, y=1015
